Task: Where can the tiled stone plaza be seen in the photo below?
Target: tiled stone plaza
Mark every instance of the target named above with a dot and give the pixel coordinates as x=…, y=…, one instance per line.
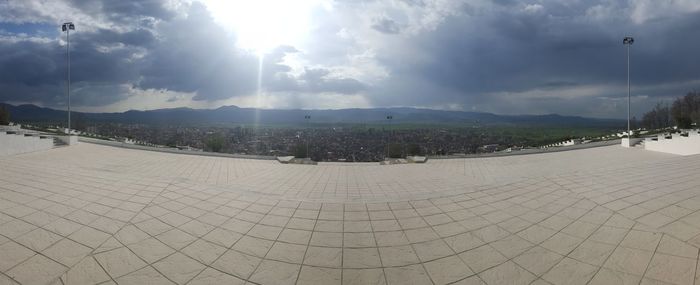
x=90, y=214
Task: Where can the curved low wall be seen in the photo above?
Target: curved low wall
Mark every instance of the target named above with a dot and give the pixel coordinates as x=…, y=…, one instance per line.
x=530, y=150
x=172, y=150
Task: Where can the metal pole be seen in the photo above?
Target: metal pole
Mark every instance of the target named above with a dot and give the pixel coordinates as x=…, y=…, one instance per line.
x=68, y=87
x=308, y=155
x=629, y=104
x=388, y=140
x=307, y=137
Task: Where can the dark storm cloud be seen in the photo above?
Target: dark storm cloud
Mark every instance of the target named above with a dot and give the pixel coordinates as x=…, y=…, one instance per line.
x=195, y=55
x=505, y=2
x=502, y=56
x=33, y=69
x=559, y=84
x=35, y=72
x=317, y=80
x=138, y=38
x=190, y=53
x=314, y=81
x=151, y=8
x=386, y=25
x=515, y=50
x=131, y=10
x=28, y=63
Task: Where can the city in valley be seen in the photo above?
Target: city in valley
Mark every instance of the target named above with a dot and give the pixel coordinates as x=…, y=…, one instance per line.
x=337, y=143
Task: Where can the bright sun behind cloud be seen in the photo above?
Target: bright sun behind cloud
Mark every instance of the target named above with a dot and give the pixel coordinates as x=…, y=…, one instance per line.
x=262, y=25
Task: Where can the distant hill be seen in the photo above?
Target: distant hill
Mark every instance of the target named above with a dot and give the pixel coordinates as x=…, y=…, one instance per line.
x=233, y=114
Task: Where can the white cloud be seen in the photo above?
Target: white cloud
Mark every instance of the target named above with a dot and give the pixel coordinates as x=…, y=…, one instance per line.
x=533, y=8
x=642, y=11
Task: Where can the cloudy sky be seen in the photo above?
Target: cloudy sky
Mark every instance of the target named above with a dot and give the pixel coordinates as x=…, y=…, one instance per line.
x=501, y=56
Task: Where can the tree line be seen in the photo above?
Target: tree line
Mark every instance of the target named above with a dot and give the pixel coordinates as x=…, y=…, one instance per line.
x=4, y=116
x=683, y=112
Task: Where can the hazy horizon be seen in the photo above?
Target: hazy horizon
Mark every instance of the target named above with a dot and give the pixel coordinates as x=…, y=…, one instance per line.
x=504, y=57
x=320, y=110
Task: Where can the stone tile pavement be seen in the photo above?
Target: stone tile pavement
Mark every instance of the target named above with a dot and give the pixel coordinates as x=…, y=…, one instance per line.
x=90, y=214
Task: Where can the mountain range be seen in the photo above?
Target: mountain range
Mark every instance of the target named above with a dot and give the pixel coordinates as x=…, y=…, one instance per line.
x=236, y=115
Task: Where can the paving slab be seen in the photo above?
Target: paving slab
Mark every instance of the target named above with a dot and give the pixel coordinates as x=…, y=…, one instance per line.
x=89, y=214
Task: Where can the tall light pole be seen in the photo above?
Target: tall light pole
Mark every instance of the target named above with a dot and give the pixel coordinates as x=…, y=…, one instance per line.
x=628, y=41
x=66, y=27
x=307, y=118
x=388, y=141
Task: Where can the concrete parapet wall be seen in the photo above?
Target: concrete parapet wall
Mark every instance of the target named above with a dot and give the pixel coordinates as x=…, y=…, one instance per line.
x=526, y=151
x=676, y=145
x=10, y=128
x=69, y=140
x=11, y=144
x=172, y=150
x=630, y=142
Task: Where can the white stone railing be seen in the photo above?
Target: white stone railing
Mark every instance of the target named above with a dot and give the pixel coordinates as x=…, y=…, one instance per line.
x=11, y=143
x=675, y=143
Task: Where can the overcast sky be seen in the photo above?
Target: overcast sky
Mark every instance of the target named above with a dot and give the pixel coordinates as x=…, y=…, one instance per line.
x=500, y=56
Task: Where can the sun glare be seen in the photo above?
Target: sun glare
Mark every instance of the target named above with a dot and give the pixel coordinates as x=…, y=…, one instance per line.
x=262, y=25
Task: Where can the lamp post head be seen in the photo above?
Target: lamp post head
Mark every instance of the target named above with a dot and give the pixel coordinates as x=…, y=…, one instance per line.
x=628, y=41
x=67, y=26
